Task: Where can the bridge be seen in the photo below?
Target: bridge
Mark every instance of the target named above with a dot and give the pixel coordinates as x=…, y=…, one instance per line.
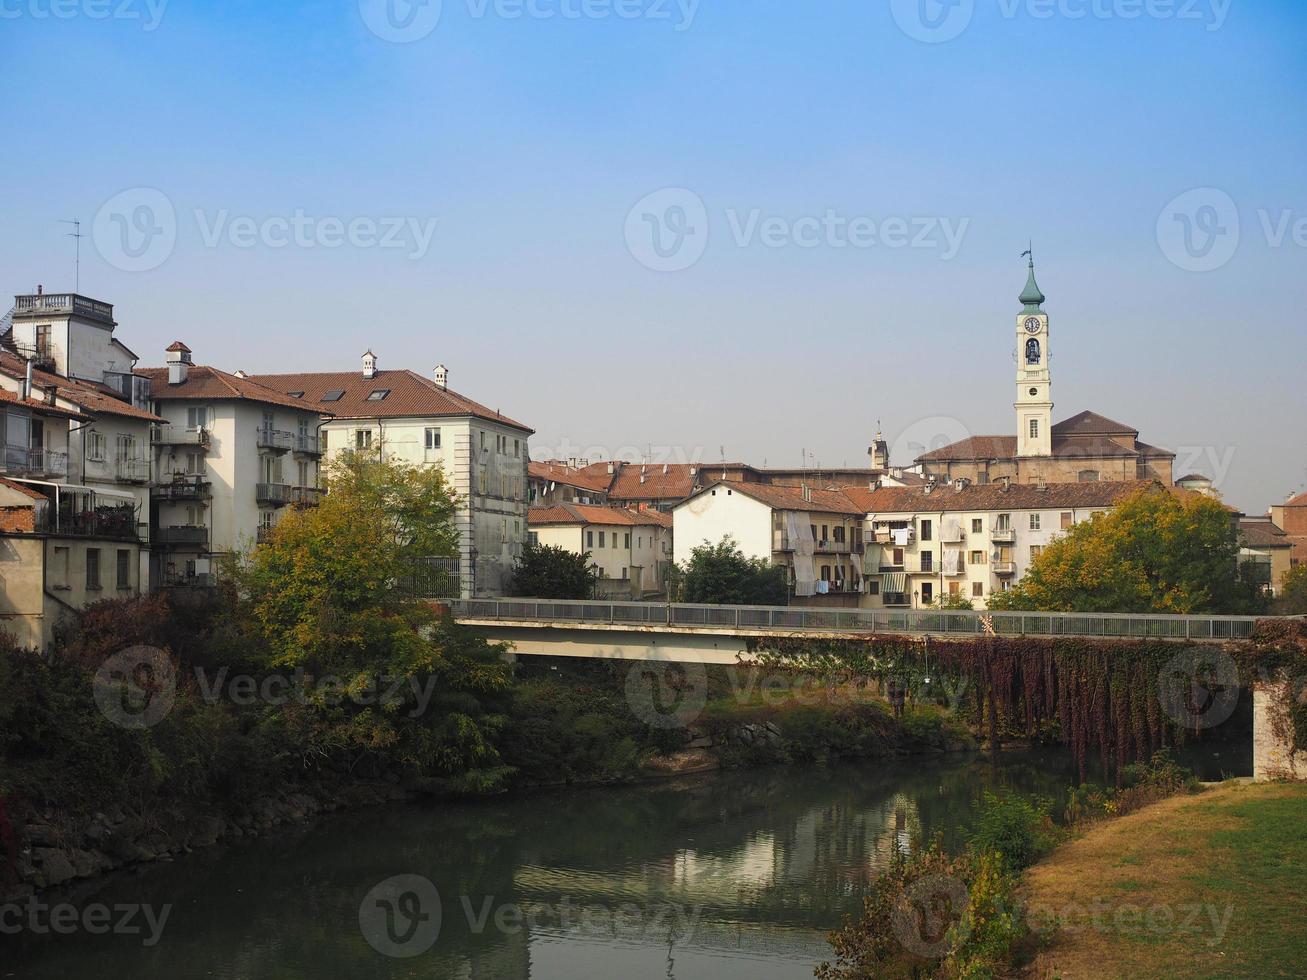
x=719, y=634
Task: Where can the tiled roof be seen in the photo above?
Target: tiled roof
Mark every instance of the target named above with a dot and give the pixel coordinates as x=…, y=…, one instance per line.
x=572, y=514
x=177, y=346
x=95, y=398
x=1086, y=435
x=1262, y=533
x=993, y=497
x=1091, y=423
x=1298, y=501
x=975, y=447
x=1194, y=478
x=792, y=498
x=26, y=491
x=210, y=384
x=555, y=472
x=410, y=396
x=40, y=407
x=652, y=481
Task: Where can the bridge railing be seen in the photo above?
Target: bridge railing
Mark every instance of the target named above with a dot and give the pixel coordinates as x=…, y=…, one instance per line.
x=802, y=618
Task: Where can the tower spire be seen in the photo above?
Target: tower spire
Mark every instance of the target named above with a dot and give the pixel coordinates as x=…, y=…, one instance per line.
x=1032, y=299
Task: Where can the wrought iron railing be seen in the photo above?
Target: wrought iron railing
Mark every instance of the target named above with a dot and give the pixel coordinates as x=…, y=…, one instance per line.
x=800, y=619
x=21, y=461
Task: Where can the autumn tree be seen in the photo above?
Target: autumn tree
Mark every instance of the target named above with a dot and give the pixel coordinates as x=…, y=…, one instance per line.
x=1155, y=551
x=1292, y=600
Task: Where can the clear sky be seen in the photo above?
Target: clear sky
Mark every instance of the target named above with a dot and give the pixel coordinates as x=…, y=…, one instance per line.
x=851, y=186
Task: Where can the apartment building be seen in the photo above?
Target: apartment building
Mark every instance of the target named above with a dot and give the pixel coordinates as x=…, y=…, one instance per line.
x=630, y=550
x=967, y=541
x=402, y=415
x=553, y=482
x=1265, y=553
x=229, y=458
x=817, y=535
x=1291, y=517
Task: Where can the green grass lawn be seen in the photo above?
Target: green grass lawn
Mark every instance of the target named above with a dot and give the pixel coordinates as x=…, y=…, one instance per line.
x=1211, y=885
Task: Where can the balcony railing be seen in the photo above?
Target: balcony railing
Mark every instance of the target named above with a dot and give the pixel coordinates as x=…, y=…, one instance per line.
x=102, y=522
x=21, y=461
x=1003, y=567
x=177, y=435
x=131, y=471
x=277, y=439
x=41, y=355
x=195, y=580
x=184, y=534
x=306, y=496
x=308, y=443
x=183, y=490
x=63, y=303
x=272, y=493
x=1003, y=535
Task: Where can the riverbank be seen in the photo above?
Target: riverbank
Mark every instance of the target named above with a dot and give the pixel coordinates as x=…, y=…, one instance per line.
x=1207, y=885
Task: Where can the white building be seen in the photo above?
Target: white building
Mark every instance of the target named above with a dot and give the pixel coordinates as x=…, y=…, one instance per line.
x=231, y=456
x=404, y=416
x=630, y=550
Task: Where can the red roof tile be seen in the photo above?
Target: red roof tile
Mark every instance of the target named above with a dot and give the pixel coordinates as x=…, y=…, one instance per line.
x=555, y=472
x=210, y=384
x=573, y=514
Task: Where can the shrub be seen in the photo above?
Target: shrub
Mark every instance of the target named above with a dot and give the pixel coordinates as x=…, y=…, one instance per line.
x=1019, y=831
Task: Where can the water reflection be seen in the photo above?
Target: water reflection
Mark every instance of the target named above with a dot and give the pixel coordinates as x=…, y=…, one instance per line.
x=730, y=876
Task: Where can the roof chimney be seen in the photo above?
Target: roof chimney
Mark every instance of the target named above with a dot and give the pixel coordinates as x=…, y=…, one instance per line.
x=39, y=289
x=441, y=376
x=178, y=359
x=369, y=365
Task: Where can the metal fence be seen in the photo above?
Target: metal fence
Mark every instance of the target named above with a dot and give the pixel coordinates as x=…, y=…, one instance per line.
x=432, y=578
x=799, y=619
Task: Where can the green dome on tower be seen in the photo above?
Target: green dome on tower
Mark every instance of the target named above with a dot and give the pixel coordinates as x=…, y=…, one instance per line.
x=1031, y=297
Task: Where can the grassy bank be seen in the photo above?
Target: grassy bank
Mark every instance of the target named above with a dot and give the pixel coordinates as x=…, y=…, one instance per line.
x=1209, y=885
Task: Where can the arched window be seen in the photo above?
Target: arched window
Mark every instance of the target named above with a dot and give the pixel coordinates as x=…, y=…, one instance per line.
x=1032, y=351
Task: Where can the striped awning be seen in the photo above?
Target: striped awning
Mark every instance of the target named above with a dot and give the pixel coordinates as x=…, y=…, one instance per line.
x=895, y=582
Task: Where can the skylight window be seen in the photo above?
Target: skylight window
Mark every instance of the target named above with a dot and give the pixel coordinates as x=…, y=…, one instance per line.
x=379, y=394
x=334, y=395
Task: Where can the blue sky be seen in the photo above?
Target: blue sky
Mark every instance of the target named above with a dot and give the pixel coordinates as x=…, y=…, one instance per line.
x=527, y=139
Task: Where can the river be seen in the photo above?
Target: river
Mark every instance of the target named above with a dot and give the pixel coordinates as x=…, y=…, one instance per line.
x=734, y=876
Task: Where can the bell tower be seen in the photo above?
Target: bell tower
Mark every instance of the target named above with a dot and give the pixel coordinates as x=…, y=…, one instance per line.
x=1034, y=403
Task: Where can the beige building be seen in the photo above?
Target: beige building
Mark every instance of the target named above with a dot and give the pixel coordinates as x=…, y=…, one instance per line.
x=1269, y=550
x=630, y=550
x=229, y=459
x=402, y=415
x=553, y=482
x=1291, y=517
x=1084, y=448
x=817, y=535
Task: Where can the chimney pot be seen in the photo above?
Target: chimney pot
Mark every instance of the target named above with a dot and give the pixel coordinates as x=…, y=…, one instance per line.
x=441, y=376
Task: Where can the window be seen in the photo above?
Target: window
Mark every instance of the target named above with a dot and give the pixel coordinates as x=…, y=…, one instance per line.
x=1066, y=520
x=197, y=417
x=1034, y=428
x=1035, y=521
x=378, y=395
x=517, y=448
x=623, y=573
x=1035, y=550
x=194, y=464
x=533, y=537
x=483, y=440
x=976, y=558
x=825, y=573
x=92, y=568
x=927, y=561
x=873, y=586
x=433, y=437
x=1004, y=522
x=589, y=539
x=927, y=593
x=362, y=438
x=898, y=556
x=839, y=535
x=484, y=481
x=95, y=447
x=602, y=538
x=59, y=569
x=977, y=525
x=1032, y=351
x=334, y=395
x=927, y=531
x=302, y=474
x=955, y=588
x=628, y=540
x=977, y=590
x=124, y=568
x=268, y=423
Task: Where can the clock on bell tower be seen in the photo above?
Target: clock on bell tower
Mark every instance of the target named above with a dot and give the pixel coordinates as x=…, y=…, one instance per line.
x=1034, y=403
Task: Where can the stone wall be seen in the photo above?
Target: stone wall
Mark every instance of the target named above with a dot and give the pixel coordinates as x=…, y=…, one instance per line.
x=1273, y=757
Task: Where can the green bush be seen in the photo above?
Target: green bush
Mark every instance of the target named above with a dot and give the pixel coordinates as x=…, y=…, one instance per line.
x=1018, y=830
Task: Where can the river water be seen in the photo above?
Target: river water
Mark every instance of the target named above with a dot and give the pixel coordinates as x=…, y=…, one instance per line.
x=735, y=876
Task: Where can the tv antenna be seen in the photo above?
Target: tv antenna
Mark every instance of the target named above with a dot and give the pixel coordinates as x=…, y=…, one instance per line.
x=76, y=235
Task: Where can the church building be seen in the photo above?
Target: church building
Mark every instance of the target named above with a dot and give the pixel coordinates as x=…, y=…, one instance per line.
x=1084, y=448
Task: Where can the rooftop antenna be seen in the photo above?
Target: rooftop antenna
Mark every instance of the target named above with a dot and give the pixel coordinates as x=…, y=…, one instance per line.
x=76, y=235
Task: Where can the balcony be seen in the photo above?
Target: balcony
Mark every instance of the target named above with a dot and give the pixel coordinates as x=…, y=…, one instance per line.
x=186, y=535
x=306, y=496
x=115, y=521
x=277, y=494
x=278, y=440
x=49, y=303
x=40, y=354
x=183, y=490
x=195, y=580
x=176, y=435
x=21, y=461
x=1003, y=535
x=131, y=471
x=308, y=444
x=1004, y=568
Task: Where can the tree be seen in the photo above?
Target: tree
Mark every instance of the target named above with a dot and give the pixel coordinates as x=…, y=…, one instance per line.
x=547, y=572
x=1292, y=600
x=953, y=601
x=1155, y=551
x=325, y=595
x=721, y=574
